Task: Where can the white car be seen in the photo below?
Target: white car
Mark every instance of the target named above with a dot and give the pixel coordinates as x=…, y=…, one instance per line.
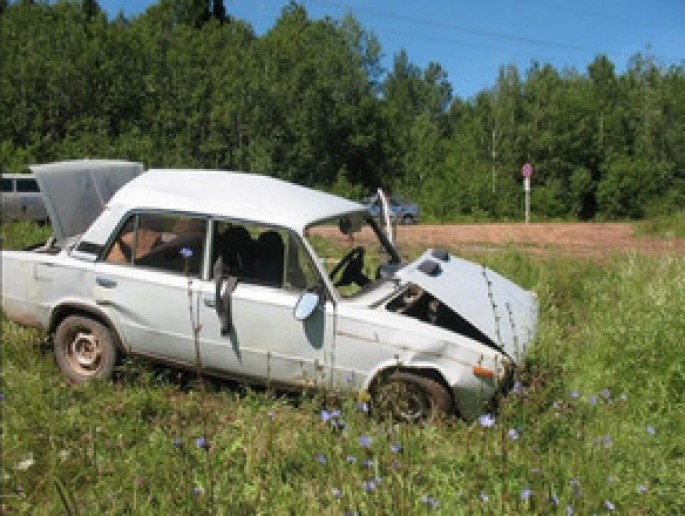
x=240, y=275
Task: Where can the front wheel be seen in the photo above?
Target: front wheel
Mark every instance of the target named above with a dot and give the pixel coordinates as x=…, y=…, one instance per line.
x=410, y=397
x=84, y=349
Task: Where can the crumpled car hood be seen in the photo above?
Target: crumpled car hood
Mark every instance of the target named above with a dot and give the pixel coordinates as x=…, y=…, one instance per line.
x=501, y=310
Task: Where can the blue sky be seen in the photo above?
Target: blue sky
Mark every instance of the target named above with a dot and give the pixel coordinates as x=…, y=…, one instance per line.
x=472, y=39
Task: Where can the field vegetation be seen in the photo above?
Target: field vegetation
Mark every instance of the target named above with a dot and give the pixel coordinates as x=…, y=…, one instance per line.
x=594, y=423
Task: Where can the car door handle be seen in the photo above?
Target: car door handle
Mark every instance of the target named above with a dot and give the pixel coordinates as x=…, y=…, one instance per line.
x=105, y=282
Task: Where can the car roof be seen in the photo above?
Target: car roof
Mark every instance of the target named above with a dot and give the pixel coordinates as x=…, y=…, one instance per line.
x=237, y=195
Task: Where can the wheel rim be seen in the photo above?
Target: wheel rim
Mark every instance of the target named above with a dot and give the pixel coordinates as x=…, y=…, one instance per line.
x=84, y=352
x=403, y=401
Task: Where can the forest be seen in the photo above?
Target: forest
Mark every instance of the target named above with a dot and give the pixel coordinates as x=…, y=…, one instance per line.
x=185, y=84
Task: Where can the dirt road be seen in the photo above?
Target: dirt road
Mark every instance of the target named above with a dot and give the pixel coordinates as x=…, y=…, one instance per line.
x=577, y=239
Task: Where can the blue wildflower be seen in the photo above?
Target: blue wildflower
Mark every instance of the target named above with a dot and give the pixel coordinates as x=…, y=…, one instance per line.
x=325, y=416
x=337, y=493
x=609, y=505
x=2, y=396
x=368, y=463
x=177, y=443
x=197, y=491
x=651, y=430
x=554, y=500
x=363, y=407
x=569, y=510
x=486, y=421
x=430, y=501
x=526, y=493
x=593, y=400
x=574, y=395
x=642, y=489
x=369, y=485
x=396, y=447
x=365, y=441
x=321, y=459
x=513, y=434
x=517, y=389
x=186, y=252
x=351, y=459
x=201, y=443
x=606, y=394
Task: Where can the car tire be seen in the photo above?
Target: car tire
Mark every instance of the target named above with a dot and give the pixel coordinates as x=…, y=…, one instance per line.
x=84, y=349
x=410, y=397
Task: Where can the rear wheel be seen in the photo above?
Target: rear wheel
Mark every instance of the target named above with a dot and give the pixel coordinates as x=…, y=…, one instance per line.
x=84, y=349
x=410, y=397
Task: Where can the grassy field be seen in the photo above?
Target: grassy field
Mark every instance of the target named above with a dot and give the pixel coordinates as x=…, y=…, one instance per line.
x=595, y=424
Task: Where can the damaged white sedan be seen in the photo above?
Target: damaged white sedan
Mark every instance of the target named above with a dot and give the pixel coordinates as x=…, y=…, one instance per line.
x=241, y=275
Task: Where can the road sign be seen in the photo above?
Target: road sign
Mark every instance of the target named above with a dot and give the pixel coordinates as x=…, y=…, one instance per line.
x=527, y=170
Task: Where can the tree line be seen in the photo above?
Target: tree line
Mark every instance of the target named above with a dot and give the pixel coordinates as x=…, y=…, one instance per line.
x=185, y=84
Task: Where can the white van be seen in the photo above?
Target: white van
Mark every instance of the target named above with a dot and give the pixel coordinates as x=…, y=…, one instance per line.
x=21, y=198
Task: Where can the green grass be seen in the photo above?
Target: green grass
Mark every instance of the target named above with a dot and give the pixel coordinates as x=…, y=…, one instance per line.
x=665, y=226
x=597, y=422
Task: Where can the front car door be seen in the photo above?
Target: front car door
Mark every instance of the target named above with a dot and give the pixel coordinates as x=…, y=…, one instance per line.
x=262, y=339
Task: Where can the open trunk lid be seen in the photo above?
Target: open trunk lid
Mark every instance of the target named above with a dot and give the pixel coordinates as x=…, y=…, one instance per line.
x=76, y=192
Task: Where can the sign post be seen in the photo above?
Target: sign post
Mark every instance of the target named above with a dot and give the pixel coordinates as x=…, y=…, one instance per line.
x=527, y=172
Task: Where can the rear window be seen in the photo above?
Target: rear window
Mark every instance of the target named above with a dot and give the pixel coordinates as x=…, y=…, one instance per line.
x=27, y=185
x=7, y=185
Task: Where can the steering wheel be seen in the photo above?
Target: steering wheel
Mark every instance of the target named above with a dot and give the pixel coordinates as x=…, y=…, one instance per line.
x=351, y=264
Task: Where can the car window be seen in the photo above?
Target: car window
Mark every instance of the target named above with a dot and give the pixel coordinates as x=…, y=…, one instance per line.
x=7, y=185
x=27, y=185
x=167, y=242
x=262, y=255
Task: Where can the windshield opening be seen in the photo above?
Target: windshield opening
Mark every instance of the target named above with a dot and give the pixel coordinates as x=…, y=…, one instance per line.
x=354, y=252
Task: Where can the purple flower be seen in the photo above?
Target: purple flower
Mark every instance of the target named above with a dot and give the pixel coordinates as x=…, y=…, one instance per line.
x=526, y=494
x=430, y=501
x=607, y=440
x=351, y=459
x=574, y=395
x=2, y=396
x=513, y=434
x=651, y=430
x=321, y=459
x=368, y=463
x=569, y=510
x=606, y=394
x=197, y=491
x=177, y=443
x=325, y=416
x=396, y=447
x=517, y=388
x=363, y=407
x=365, y=441
x=593, y=400
x=201, y=443
x=486, y=421
x=369, y=485
x=642, y=489
x=337, y=493
x=554, y=500
x=609, y=505
x=186, y=252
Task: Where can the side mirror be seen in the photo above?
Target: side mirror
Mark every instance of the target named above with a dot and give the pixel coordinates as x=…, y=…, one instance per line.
x=308, y=302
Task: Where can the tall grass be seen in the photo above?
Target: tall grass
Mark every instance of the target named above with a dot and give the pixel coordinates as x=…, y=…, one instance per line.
x=594, y=425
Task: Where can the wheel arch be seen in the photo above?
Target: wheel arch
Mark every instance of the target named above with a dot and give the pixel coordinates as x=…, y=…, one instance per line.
x=61, y=312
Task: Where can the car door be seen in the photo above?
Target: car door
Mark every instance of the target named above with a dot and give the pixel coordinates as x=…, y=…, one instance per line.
x=146, y=281
x=263, y=340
